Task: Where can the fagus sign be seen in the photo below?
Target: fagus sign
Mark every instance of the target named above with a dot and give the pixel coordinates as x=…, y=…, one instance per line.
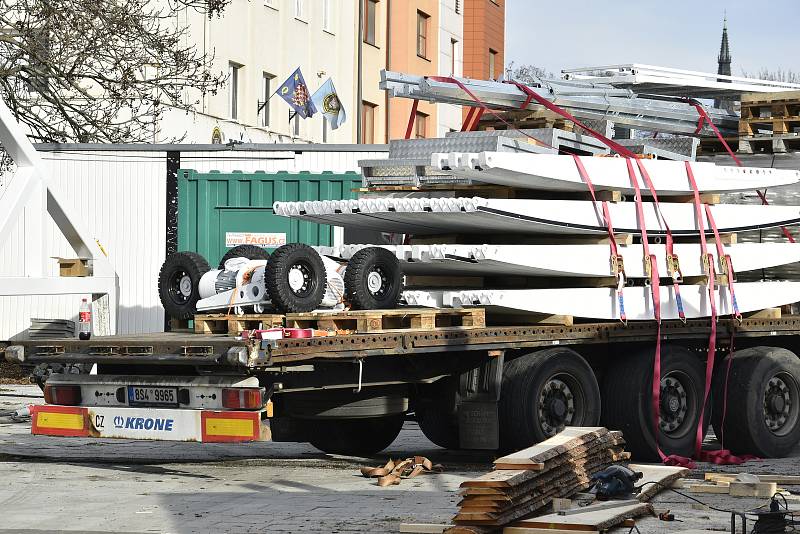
x=268, y=239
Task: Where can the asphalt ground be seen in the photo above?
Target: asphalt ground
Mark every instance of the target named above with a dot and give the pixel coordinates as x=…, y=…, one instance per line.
x=50, y=484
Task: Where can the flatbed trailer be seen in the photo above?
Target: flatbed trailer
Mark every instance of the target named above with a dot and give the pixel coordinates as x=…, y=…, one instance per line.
x=469, y=387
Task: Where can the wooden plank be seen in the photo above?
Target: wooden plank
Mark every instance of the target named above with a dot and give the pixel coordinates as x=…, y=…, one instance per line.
x=562, y=442
x=423, y=528
x=656, y=478
x=529, y=530
x=766, y=313
x=753, y=489
x=708, y=488
x=778, y=479
x=588, y=521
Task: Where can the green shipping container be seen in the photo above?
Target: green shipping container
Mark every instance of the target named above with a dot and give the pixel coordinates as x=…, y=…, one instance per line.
x=217, y=209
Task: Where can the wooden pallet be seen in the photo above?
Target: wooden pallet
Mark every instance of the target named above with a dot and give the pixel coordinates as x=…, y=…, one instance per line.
x=770, y=144
x=377, y=320
x=777, y=112
x=220, y=323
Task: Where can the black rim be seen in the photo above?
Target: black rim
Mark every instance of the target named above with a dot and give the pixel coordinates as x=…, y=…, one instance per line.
x=560, y=404
x=301, y=279
x=678, y=404
x=781, y=404
x=378, y=283
x=181, y=287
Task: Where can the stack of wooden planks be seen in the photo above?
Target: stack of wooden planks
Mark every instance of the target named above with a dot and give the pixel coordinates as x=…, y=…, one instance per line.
x=527, y=481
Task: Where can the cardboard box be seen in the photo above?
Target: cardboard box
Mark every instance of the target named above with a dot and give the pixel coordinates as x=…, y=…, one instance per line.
x=73, y=267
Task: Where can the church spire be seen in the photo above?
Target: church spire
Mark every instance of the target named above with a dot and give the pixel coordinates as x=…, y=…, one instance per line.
x=724, y=57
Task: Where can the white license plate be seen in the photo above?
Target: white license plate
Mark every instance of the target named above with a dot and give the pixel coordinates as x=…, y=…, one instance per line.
x=152, y=396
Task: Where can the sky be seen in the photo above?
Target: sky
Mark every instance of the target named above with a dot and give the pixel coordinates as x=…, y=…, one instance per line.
x=681, y=34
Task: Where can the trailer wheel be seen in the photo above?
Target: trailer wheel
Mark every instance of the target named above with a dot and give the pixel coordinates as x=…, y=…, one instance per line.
x=355, y=437
x=178, y=283
x=627, y=401
x=437, y=413
x=295, y=278
x=251, y=252
x=763, y=408
x=543, y=392
x=373, y=279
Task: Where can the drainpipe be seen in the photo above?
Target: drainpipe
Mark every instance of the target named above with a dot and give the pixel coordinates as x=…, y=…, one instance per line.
x=388, y=61
x=359, y=80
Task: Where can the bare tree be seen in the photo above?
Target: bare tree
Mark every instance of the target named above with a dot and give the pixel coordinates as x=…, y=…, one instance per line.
x=99, y=70
x=779, y=75
x=528, y=74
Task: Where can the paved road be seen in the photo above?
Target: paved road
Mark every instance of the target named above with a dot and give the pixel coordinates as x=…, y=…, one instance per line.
x=91, y=485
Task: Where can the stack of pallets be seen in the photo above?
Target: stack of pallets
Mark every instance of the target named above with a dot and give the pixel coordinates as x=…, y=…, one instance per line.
x=770, y=122
x=527, y=481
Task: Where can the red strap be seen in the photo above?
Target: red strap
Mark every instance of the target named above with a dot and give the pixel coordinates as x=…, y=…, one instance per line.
x=411, y=119
x=616, y=147
x=465, y=126
x=483, y=106
x=726, y=264
x=616, y=260
x=704, y=117
x=673, y=265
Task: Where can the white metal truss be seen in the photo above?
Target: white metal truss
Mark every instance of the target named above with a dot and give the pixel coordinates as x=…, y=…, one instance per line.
x=668, y=81
x=560, y=173
x=602, y=303
x=584, y=101
x=30, y=196
x=526, y=216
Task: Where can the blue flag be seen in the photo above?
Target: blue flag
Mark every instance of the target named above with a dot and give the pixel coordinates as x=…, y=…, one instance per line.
x=326, y=100
x=295, y=92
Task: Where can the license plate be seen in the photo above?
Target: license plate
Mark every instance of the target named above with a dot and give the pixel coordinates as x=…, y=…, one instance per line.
x=152, y=396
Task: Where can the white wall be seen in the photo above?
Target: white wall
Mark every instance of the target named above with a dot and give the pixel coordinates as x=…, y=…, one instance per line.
x=120, y=196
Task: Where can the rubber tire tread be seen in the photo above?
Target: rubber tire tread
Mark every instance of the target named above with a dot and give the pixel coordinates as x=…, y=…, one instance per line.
x=745, y=430
x=436, y=414
x=277, y=283
x=627, y=400
x=196, y=266
x=522, y=379
x=355, y=437
x=355, y=279
x=251, y=252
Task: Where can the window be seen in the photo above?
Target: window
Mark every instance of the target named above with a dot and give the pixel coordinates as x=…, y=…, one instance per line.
x=453, y=56
x=299, y=9
x=492, y=58
x=327, y=23
x=422, y=34
x=233, y=90
x=367, y=122
x=370, y=20
x=420, y=123
x=267, y=82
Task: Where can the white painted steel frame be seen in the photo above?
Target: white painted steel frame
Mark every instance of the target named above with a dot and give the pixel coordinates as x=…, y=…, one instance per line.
x=32, y=195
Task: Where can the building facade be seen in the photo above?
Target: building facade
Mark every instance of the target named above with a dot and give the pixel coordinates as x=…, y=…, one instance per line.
x=259, y=43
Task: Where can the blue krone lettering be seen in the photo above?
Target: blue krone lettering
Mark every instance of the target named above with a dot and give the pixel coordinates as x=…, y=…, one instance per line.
x=139, y=423
x=148, y=424
x=159, y=424
x=129, y=422
x=168, y=425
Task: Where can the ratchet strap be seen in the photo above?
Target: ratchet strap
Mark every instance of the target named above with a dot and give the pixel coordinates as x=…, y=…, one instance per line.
x=617, y=264
x=673, y=264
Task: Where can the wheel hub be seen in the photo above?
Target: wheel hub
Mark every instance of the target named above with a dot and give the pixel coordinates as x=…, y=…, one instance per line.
x=674, y=405
x=374, y=282
x=298, y=279
x=777, y=403
x=556, y=406
x=185, y=285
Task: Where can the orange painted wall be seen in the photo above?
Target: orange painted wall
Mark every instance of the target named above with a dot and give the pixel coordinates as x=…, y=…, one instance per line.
x=484, y=29
x=403, y=58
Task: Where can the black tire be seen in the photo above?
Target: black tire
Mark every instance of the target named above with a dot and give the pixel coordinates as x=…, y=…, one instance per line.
x=251, y=252
x=628, y=406
x=284, y=267
x=544, y=391
x=763, y=408
x=355, y=437
x=178, y=283
x=373, y=279
x=437, y=413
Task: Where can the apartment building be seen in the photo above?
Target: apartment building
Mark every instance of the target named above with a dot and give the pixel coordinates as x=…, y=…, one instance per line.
x=259, y=43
